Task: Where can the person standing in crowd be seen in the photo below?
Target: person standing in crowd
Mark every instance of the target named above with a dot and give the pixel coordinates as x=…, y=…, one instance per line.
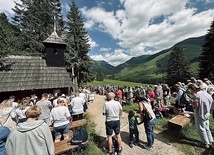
x=151, y=97
x=210, y=89
x=55, y=100
x=158, y=95
x=202, y=85
x=8, y=114
x=149, y=126
x=14, y=104
x=178, y=106
x=202, y=102
x=84, y=97
x=131, y=95
x=22, y=110
x=119, y=95
x=133, y=130
x=113, y=110
x=32, y=137
x=166, y=94
x=46, y=107
x=61, y=118
x=66, y=101
x=77, y=107
x=3, y=137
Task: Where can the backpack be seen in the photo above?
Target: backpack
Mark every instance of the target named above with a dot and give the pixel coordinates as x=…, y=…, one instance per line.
x=158, y=114
x=80, y=137
x=185, y=99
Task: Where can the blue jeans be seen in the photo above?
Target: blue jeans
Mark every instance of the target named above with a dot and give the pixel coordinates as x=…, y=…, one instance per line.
x=202, y=126
x=60, y=130
x=149, y=129
x=3, y=137
x=131, y=133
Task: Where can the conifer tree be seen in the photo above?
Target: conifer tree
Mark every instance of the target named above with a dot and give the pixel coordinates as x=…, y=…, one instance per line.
x=177, y=67
x=206, y=62
x=35, y=21
x=77, y=42
x=99, y=75
x=9, y=40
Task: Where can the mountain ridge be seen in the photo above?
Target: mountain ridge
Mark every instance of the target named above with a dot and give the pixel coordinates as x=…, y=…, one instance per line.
x=152, y=68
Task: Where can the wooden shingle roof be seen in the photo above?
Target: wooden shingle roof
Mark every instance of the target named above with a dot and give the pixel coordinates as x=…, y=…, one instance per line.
x=54, y=38
x=31, y=73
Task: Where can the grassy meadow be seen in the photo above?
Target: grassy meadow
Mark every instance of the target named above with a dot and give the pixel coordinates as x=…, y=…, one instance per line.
x=183, y=139
x=114, y=82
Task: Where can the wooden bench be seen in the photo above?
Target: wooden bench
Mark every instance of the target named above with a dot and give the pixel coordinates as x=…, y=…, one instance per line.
x=63, y=147
x=78, y=123
x=75, y=124
x=179, y=121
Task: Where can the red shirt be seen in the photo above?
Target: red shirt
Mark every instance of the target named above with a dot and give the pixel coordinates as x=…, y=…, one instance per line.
x=151, y=96
x=119, y=94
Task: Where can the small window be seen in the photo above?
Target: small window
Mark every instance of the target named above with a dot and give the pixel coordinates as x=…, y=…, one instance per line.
x=55, y=51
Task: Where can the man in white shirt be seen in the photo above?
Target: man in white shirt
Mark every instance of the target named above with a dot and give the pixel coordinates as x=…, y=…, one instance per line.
x=77, y=107
x=55, y=100
x=113, y=110
x=46, y=107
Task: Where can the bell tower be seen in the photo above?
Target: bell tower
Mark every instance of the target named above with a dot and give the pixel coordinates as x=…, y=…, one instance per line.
x=54, y=49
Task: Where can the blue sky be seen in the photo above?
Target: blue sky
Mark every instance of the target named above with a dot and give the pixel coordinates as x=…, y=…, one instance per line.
x=122, y=29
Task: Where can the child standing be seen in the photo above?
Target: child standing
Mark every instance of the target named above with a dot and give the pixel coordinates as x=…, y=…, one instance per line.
x=133, y=130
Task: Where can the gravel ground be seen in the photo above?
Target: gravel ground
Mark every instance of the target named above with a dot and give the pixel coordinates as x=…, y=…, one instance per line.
x=161, y=146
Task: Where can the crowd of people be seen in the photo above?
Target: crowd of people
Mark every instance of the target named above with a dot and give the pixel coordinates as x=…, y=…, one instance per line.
x=199, y=102
x=30, y=121
x=31, y=118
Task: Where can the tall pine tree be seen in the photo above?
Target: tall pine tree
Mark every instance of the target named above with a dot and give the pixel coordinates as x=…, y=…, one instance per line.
x=35, y=21
x=77, y=42
x=7, y=36
x=9, y=43
x=206, y=62
x=177, y=67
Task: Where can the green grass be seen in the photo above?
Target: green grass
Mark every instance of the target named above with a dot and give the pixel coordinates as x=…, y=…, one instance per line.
x=93, y=141
x=133, y=106
x=114, y=82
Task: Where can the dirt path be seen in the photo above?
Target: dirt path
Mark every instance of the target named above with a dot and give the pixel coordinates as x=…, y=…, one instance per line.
x=161, y=147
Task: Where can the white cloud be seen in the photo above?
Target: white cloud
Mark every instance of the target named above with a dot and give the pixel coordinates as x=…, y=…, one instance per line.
x=92, y=43
x=106, y=21
x=7, y=5
x=134, y=30
x=66, y=7
x=115, y=58
x=105, y=49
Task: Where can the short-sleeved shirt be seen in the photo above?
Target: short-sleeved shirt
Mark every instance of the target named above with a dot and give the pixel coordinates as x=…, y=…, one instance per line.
x=45, y=107
x=77, y=105
x=21, y=113
x=205, y=102
x=59, y=116
x=55, y=102
x=119, y=94
x=83, y=96
x=133, y=123
x=112, y=110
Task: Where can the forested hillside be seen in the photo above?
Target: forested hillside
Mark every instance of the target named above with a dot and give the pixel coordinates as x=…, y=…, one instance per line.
x=152, y=68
